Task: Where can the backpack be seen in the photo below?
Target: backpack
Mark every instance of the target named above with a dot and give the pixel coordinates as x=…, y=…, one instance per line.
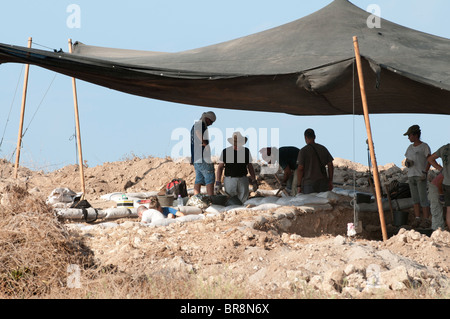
x=177, y=187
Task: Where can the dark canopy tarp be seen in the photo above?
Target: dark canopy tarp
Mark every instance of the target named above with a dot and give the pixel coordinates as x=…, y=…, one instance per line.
x=304, y=67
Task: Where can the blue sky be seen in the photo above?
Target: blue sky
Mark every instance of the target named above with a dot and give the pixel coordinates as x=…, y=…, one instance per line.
x=116, y=126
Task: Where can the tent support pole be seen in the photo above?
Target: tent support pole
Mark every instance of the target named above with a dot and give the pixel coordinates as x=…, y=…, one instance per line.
x=22, y=114
x=77, y=122
x=369, y=135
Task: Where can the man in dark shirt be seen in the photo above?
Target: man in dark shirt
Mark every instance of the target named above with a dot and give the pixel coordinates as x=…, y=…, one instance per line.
x=201, y=153
x=312, y=176
x=236, y=160
x=286, y=156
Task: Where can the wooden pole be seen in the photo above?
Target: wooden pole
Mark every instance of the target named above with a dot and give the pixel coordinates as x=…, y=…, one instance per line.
x=22, y=114
x=77, y=123
x=370, y=141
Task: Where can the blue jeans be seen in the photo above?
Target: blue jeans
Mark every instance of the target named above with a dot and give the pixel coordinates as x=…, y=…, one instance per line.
x=204, y=173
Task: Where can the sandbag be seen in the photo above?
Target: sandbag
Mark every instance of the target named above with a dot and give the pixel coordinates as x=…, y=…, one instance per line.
x=160, y=222
x=234, y=208
x=266, y=206
x=61, y=197
x=190, y=210
x=189, y=218
x=87, y=214
x=237, y=209
x=332, y=197
x=261, y=200
x=134, y=196
x=215, y=209
x=344, y=192
x=119, y=212
x=303, y=199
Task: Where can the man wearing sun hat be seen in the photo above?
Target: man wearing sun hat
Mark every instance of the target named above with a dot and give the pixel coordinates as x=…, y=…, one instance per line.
x=236, y=161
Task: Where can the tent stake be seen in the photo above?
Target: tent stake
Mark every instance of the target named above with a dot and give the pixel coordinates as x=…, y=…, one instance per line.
x=369, y=135
x=22, y=114
x=77, y=122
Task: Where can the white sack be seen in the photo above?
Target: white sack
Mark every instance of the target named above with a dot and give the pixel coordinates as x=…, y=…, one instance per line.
x=261, y=200
x=332, y=197
x=190, y=210
x=118, y=212
x=189, y=218
x=131, y=196
x=161, y=222
x=266, y=206
x=301, y=200
x=77, y=214
x=61, y=197
x=215, y=209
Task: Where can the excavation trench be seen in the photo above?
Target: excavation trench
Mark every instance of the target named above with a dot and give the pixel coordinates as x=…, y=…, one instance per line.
x=326, y=220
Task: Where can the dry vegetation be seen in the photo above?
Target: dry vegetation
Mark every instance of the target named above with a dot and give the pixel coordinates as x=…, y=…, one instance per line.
x=35, y=247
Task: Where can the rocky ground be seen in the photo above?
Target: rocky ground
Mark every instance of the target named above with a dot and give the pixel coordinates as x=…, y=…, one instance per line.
x=269, y=251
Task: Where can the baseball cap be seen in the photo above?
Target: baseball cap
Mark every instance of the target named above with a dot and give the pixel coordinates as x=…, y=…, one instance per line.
x=412, y=129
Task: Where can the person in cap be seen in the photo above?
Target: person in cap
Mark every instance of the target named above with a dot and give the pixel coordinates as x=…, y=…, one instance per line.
x=315, y=166
x=235, y=162
x=201, y=153
x=416, y=162
x=444, y=153
x=286, y=156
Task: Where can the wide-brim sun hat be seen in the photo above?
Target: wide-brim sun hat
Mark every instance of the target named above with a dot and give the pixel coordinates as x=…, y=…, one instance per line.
x=237, y=139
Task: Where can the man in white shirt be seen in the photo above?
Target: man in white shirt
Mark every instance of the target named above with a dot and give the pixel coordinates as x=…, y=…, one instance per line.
x=149, y=216
x=418, y=166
